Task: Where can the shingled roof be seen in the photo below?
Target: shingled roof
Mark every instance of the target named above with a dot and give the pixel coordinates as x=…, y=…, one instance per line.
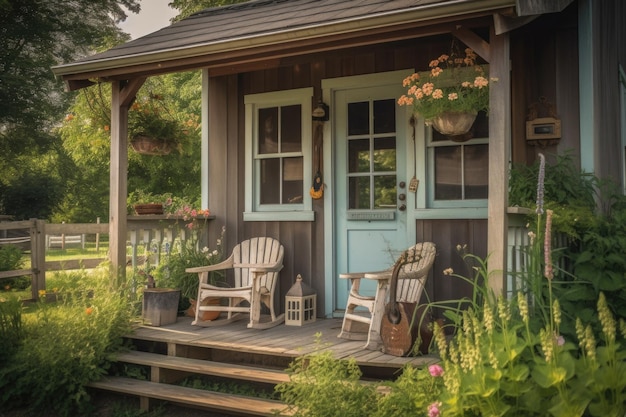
x=256, y=24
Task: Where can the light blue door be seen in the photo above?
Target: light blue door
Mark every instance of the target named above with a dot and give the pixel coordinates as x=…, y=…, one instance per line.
x=369, y=182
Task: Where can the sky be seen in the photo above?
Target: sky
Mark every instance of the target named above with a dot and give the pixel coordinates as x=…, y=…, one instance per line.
x=154, y=15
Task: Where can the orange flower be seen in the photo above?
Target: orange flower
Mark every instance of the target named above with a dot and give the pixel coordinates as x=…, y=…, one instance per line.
x=89, y=310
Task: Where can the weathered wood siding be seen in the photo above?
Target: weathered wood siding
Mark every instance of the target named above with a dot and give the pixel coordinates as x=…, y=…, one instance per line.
x=453, y=239
x=304, y=250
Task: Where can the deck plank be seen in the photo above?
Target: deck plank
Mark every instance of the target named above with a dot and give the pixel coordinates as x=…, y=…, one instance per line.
x=282, y=340
x=192, y=397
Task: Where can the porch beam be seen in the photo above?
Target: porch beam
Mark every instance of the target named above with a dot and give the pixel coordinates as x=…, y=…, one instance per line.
x=499, y=155
x=471, y=39
x=122, y=95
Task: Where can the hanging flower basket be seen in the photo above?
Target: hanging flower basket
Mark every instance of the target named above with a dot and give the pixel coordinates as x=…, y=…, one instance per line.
x=146, y=145
x=454, y=124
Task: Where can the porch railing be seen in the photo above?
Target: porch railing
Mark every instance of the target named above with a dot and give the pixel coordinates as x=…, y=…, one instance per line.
x=156, y=233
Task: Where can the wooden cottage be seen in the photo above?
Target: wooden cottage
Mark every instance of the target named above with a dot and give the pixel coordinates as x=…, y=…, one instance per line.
x=293, y=88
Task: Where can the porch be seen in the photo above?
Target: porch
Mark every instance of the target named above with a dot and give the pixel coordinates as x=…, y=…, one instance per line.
x=235, y=353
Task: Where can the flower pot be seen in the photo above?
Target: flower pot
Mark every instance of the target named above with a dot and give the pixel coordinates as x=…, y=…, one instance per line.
x=146, y=145
x=204, y=315
x=148, y=208
x=453, y=123
x=160, y=306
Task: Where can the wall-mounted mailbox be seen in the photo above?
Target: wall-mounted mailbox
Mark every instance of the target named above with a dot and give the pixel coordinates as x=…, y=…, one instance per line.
x=543, y=128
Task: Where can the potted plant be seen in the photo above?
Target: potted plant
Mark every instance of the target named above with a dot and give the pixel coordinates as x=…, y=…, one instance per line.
x=450, y=95
x=190, y=253
x=152, y=128
x=141, y=202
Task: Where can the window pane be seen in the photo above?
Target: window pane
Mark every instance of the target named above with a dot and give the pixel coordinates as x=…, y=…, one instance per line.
x=385, y=191
x=385, y=116
x=268, y=130
x=292, y=180
x=384, y=154
x=291, y=129
x=476, y=165
x=448, y=173
x=358, y=118
x=270, y=181
x=359, y=193
x=359, y=155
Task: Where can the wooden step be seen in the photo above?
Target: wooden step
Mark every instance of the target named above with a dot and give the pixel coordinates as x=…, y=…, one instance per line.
x=229, y=403
x=204, y=367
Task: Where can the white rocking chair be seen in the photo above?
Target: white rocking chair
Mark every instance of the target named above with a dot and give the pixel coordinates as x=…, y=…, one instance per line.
x=364, y=323
x=256, y=263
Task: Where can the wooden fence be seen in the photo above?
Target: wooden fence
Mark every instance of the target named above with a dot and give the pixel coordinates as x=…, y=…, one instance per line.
x=34, y=235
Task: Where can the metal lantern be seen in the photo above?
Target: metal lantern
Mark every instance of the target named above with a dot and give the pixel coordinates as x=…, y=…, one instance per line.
x=300, y=303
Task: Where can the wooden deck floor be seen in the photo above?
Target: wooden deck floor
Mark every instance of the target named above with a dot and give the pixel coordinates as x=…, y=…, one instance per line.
x=283, y=341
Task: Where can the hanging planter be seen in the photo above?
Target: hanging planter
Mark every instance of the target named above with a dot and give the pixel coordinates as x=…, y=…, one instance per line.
x=454, y=124
x=450, y=95
x=146, y=145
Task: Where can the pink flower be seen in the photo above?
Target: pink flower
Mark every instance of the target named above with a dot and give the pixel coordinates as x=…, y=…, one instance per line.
x=433, y=409
x=435, y=370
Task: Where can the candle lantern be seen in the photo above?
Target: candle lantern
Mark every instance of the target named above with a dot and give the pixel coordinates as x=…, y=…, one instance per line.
x=300, y=302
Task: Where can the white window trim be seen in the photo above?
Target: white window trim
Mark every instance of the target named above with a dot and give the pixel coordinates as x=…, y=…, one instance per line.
x=287, y=212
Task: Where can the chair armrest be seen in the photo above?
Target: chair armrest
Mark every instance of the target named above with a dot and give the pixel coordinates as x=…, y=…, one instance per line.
x=380, y=275
x=352, y=275
x=226, y=264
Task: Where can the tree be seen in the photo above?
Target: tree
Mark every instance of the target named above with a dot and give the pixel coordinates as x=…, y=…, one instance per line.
x=189, y=7
x=35, y=35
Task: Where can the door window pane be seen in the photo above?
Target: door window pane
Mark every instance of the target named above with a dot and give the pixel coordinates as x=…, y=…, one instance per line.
x=359, y=193
x=385, y=154
x=448, y=173
x=384, y=116
x=358, y=118
x=385, y=192
x=358, y=155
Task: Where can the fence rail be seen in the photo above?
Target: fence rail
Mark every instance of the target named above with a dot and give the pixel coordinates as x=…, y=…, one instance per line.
x=33, y=234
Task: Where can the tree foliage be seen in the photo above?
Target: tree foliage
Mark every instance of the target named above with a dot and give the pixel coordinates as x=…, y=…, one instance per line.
x=189, y=7
x=34, y=36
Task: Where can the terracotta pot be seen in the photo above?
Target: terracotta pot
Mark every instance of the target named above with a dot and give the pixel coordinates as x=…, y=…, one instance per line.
x=453, y=124
x=148, y=208
x=146, y=145
x=204, y=315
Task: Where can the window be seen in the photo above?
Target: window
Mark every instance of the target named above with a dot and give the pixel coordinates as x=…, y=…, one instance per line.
x=278, y=155
x=460, y=171
x=372, y=155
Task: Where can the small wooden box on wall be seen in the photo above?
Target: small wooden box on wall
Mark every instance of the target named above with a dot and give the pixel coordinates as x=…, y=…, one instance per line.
x=542, y=125
x=543, y=128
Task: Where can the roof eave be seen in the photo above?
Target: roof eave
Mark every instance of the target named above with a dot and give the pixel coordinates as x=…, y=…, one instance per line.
x=73, y=71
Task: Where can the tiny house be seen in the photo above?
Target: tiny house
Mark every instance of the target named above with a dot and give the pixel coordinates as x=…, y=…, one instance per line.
x=301, y=93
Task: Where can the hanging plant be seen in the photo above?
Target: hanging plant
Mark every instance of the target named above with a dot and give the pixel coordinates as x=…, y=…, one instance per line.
x=451, y=94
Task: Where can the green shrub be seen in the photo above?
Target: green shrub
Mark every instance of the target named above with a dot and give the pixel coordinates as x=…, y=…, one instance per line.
x=11, y=334
x=67, y=344
x=10, y=260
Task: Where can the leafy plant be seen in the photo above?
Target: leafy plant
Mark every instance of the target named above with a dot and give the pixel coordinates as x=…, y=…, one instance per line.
x=10, y=260
x=76, y=339
x=171, y=273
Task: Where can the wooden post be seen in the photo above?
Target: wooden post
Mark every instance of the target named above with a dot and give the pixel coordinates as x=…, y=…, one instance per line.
x=499, y=155
x=123, y=94
x=98, y=237
x=38, y=257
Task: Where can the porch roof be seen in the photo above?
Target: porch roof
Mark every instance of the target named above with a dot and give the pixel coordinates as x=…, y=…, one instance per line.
x=247, y=35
